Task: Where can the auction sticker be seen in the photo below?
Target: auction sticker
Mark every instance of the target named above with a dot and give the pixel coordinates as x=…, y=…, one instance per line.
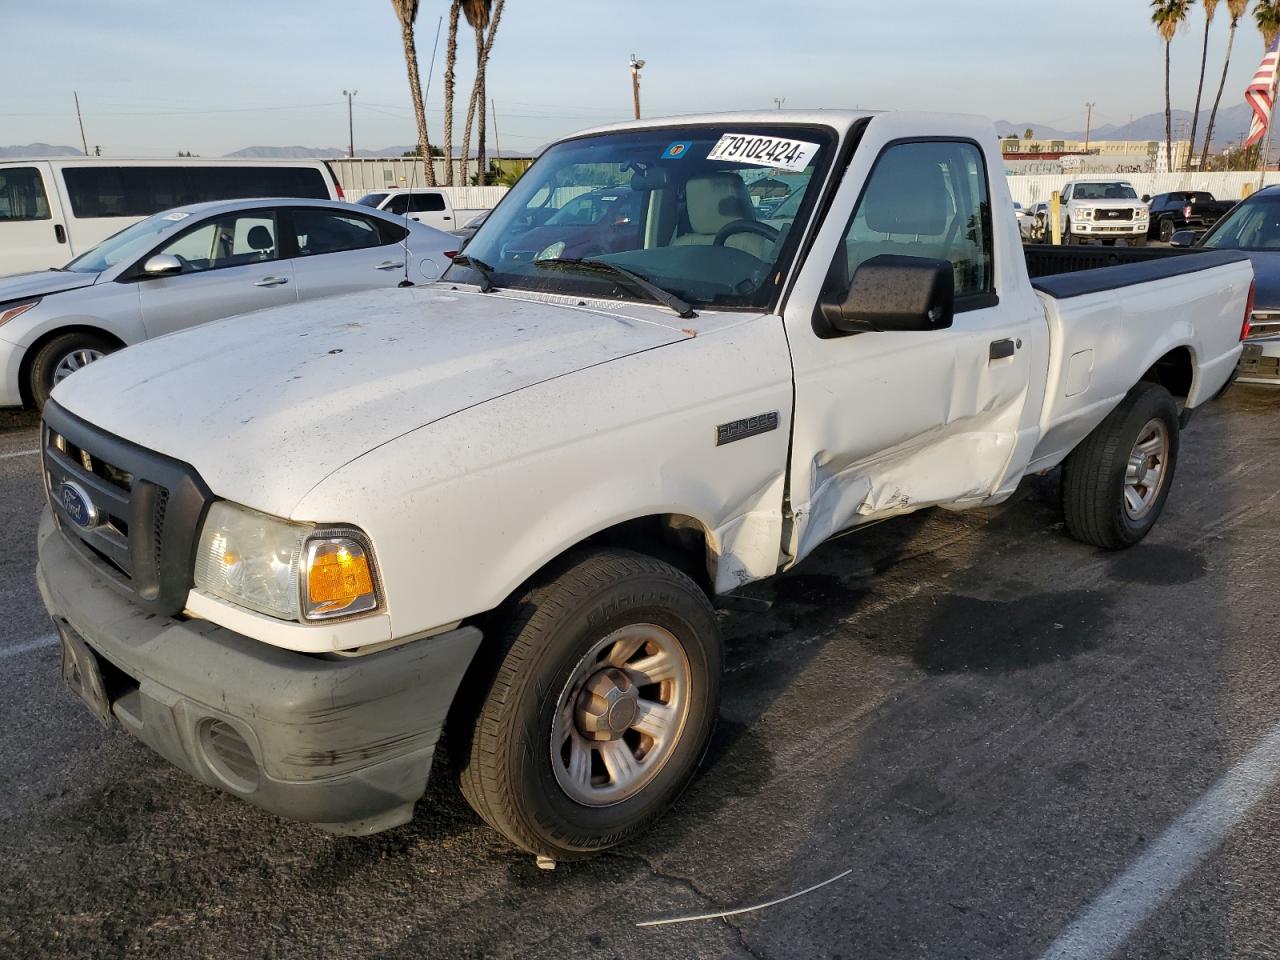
x=761, y=151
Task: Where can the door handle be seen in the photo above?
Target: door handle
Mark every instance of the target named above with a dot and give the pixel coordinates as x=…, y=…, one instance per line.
x=271, y=281
x=59, y=233
x=1001, y=349
x=446, y=218
x=390, y=265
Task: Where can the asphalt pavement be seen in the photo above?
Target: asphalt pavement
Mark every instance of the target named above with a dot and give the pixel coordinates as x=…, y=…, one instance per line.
x=1004, y=743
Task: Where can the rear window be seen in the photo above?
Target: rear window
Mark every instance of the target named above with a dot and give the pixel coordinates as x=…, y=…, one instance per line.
x=22, y=195
x=142, y=191
x=371, y=199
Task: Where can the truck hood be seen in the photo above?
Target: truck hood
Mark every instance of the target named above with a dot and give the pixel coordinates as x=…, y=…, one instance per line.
x=268, y=404
x=21, y=286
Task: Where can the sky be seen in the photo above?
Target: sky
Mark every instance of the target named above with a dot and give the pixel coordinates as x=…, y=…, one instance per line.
x=155, y=76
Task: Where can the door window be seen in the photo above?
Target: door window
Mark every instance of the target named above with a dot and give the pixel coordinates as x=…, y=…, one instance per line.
x=327, y=231
x=927, y=199
x=230, y=241
x=22, y=195
x=416, y=203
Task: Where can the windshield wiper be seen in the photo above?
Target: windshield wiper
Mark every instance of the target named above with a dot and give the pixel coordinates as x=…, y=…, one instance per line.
x=655, y=292
x=480, y=267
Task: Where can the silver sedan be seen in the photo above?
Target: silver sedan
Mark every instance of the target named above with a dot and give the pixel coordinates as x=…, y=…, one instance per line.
x=194, y=264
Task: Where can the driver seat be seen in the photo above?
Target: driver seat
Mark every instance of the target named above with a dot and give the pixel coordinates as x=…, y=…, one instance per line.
x=714, y=200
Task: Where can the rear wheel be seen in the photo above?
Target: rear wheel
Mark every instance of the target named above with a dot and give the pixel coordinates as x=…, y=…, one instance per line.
x=1115, y=483
x=61, y=357
x=1166, y=230
x=600, y=699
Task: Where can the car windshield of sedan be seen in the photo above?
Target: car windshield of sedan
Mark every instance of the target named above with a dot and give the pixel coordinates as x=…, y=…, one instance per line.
x=1253, y=225
x=670, y=205
x=131, y=242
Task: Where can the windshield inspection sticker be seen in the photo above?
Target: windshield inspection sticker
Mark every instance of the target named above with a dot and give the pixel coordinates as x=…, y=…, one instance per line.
x=759, y=151
x=176, y=215
x=676, y=150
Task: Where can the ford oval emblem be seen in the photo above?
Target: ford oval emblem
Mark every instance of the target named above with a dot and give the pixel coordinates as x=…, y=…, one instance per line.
x=76, y=504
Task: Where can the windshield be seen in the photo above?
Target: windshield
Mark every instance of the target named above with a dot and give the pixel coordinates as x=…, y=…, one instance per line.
x=1104, y=191
x=128, y=244
x=673, y=206
x=1253, y=225
x=371, y=199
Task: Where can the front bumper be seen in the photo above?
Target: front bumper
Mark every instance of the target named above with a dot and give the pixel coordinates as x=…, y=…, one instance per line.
x=343, y=743
x=1087, y=228
x=1260, y=362
x=10, y=373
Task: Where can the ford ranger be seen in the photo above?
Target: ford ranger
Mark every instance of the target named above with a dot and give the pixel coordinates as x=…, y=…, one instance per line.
x=285, y=550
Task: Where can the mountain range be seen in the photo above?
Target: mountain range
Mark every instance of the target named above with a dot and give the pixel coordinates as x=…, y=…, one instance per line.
x=1232, y=122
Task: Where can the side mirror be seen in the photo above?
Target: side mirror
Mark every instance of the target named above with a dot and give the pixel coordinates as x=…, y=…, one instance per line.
x=894, y=293
x=1183, y=238
x=162, y=265
x=1146, y=198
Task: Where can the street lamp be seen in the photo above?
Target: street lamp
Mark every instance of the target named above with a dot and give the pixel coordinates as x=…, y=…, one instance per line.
x=636, y=67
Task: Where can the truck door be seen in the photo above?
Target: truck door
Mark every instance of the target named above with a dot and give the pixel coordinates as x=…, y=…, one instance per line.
x=33, y=232
x=889, y=422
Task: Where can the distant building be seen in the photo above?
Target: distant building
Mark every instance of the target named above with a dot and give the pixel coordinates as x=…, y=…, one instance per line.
x=1047, y=155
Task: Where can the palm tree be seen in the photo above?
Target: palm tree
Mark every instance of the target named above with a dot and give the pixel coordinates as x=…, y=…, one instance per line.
x=1210, y=8
x=1168, y=15
x=407, y=12
x=483, y=17
x=1267, y=16
x=1235, y=9
x=450, y=61
x=482, y=99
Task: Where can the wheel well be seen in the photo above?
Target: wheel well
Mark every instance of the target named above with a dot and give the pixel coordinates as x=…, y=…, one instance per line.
x=1174, y=371
x=671, y=537
x=24, y=370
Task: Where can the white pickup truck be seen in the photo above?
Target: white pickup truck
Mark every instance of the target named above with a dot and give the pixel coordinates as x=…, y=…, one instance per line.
x=1106, y=210
x=283, y=550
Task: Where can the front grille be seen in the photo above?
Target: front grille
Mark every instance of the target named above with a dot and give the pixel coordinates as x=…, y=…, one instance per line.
x=1125, y=213
x=131, y=513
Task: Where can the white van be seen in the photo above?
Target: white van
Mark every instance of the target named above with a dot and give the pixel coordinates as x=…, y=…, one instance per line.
x=430, y=205
x=54, y=210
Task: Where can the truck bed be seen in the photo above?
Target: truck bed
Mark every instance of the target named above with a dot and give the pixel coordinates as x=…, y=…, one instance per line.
x=1112, y=311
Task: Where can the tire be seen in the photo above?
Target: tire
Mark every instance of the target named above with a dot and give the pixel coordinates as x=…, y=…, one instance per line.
x=1138, y=241
x=75, y=349
x=1066, y=233
x=525, y=729
x=1166, y=230
x=1097, y=500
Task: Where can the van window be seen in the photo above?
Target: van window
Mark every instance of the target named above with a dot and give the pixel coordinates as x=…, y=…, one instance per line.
x=141, y=191
x=415, y=203
x=22, y=195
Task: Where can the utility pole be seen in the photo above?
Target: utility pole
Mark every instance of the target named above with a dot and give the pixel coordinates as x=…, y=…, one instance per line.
x=1088, y=124
x=351, y=129
x=79, y=119
x=779, y=101
x=636, y=67
x=497, y=146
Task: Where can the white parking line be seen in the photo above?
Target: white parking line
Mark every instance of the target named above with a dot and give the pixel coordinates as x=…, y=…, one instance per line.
x=1133, y=897
x=20, y=648
x=19, y=453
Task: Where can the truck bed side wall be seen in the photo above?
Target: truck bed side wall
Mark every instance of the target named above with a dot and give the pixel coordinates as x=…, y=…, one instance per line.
x=1104, y=340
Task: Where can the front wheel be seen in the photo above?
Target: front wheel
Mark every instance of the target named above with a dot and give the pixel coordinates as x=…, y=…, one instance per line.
x=1115, y=483
x=1166, y=230
x=60, y=358
x=602, y=691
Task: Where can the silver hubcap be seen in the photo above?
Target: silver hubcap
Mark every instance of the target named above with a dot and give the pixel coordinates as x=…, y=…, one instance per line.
x=73, y=361
x=1145, y=472
x=620, y=715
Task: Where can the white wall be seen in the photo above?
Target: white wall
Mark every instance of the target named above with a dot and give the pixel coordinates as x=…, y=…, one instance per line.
x=1224, y=186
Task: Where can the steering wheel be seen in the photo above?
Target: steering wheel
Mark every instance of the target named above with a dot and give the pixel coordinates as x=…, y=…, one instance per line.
x=745, y=226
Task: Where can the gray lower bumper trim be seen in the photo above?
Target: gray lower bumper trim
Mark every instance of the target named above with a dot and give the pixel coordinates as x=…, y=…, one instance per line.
x=344, y=743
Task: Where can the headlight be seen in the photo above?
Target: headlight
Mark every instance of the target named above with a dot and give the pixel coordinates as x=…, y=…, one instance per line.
x=551, y=252
x=1084, y=213
x=292, y=571
x=1142, y=213
x=17, y=310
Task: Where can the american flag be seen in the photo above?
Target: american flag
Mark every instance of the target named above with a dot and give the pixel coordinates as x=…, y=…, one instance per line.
x=1261, y=93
